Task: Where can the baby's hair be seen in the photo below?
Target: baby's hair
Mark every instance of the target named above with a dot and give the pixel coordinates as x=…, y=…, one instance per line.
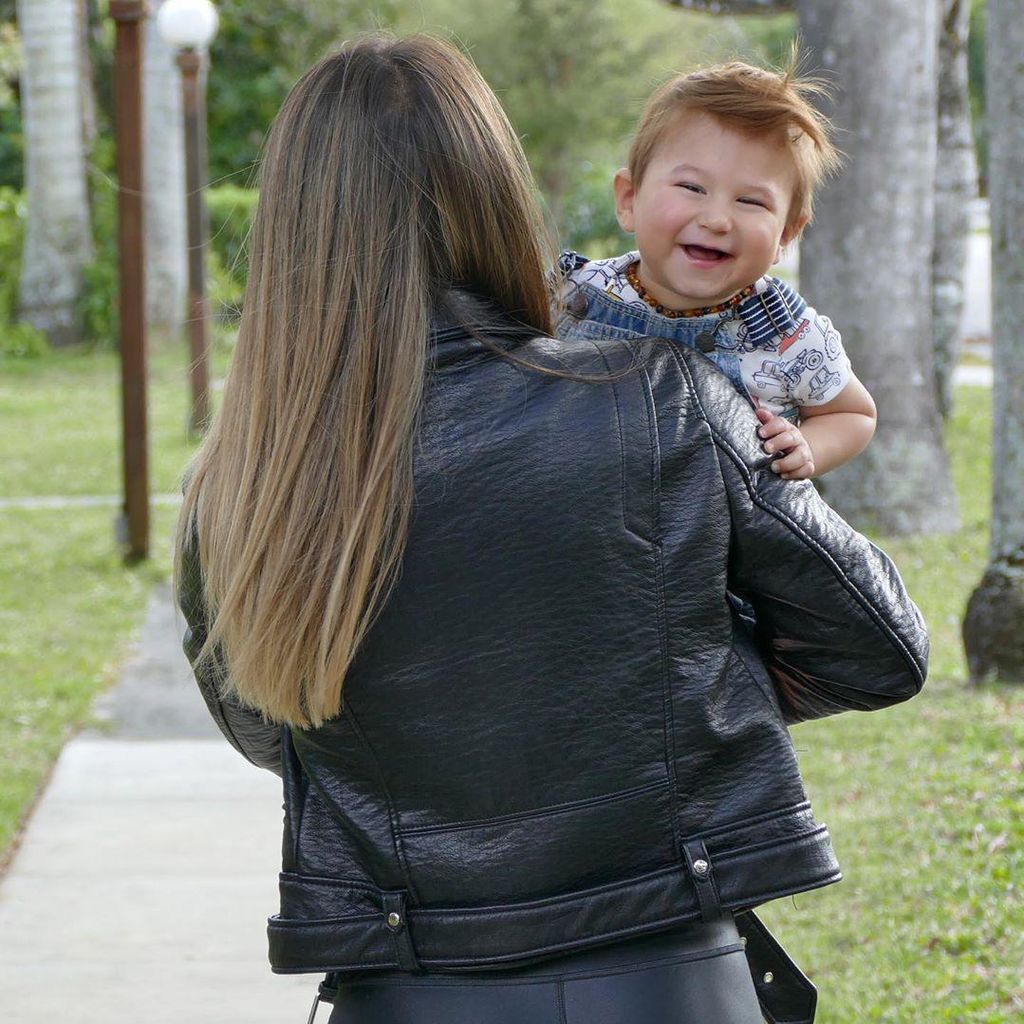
x=753, y=100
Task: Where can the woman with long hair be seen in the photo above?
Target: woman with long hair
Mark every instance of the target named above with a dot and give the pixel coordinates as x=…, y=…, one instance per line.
x=471, y=592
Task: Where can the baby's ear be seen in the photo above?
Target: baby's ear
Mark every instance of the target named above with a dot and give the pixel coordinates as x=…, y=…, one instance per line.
x=793, y=231
x=624, y=194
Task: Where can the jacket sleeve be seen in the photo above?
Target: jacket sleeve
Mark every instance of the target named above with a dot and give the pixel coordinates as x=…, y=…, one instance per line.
x=243, y=727
x=835, y=625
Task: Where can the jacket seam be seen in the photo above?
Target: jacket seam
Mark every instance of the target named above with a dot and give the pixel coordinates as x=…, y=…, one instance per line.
x=740, y=823
x=767, y=844
x=622, y=448
x=668, y=716
x=304, y=784
x=668, y=723
x=539, y=812
x=329, y=882
x=655, y=442
x=396, y=839
x=723, y=444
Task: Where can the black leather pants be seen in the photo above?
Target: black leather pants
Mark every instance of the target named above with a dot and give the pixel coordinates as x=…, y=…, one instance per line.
x=694, y=975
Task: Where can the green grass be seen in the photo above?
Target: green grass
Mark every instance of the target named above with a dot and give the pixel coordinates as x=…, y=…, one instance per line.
x=68, y=608
x=925, y=801
x=926, y=806
x=60, y=417
x=68, y=605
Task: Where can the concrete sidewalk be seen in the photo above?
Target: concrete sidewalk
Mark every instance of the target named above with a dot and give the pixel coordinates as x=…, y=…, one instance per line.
x=142, y=886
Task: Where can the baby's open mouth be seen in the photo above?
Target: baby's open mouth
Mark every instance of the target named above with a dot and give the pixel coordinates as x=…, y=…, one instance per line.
x=704, y=254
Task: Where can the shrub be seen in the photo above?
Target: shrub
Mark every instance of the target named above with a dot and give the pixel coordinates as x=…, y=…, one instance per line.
x=230, y=210
x=588, y=222
x=12, y=236
x=98, y=304
x=20, y=340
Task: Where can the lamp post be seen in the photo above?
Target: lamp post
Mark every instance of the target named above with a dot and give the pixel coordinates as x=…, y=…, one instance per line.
x=133, y=525
x=189, y=26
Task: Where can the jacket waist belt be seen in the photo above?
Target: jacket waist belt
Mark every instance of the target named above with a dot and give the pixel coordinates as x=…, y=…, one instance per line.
x=466, y=938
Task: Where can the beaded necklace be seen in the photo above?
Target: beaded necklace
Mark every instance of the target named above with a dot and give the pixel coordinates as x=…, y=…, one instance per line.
x=634, y=279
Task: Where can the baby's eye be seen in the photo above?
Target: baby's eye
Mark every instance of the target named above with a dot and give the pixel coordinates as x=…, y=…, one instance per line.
x=750, y=201
x=692, y=187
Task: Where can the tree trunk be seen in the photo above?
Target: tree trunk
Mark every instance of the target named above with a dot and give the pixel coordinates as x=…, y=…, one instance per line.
x=956, y=184
x=58, y=242
x=867, y=261
x=734, y=6
x=87, y=88
x=164, y=171
x=994, y=623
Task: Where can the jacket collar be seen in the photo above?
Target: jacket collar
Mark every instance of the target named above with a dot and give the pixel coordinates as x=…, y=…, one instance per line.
x=467, y=325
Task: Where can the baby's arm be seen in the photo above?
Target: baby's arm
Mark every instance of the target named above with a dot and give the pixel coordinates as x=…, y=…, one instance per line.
x=829, y=434
x=839, y=429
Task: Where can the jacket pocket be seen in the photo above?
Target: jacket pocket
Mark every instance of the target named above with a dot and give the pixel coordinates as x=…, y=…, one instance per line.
x=543, y=852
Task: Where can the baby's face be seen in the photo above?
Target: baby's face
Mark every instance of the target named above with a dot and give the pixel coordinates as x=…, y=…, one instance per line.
x=710, y=213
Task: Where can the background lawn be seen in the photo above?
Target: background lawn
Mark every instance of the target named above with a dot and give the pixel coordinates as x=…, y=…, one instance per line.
x=68, y=605
x=925, y=801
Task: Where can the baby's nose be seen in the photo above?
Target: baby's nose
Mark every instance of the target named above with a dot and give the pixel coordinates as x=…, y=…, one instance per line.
x=714, y=218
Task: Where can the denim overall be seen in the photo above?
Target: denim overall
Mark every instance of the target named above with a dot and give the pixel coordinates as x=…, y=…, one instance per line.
x=591, y=313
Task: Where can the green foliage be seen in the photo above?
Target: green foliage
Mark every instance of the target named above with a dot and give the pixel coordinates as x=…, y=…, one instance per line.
x=231, y=209
x=12, y=148
x=98, y=308
x=261, y=49
x=589, y=223
x=12, y=235
x=11, y=141
x=558, y=66
x=22, y=341
x=976, y=85
x=17, y=340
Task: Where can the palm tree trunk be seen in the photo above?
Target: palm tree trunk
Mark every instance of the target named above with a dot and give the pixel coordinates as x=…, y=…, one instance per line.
x=956, y=184
x=58, y=243
x=994, y=624
x=164, y=171
x=867, y=260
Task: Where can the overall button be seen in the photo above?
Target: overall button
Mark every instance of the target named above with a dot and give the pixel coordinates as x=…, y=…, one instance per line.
x=394, y=920
x=706, y=342
x=578, y=305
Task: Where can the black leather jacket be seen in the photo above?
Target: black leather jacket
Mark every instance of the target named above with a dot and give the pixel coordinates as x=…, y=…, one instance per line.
x=559, y=732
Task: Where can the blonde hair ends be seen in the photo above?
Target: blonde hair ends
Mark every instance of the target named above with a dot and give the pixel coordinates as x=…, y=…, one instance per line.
x=390, y=175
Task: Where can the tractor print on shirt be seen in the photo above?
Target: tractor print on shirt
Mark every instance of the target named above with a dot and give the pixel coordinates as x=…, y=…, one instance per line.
x=786, y=376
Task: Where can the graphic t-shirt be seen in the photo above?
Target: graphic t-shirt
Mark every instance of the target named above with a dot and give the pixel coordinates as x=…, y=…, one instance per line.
x=776, y=349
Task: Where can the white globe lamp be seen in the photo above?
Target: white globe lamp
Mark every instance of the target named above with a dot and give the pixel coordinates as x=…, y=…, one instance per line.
x=187, y=24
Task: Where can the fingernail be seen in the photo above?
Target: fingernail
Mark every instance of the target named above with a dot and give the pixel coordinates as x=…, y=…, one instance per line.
x=769, y=448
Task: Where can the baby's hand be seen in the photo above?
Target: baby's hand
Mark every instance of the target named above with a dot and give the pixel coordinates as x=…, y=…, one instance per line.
x=779, y=435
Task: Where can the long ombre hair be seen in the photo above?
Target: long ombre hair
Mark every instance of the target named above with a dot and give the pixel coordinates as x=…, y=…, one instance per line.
x=390, y=175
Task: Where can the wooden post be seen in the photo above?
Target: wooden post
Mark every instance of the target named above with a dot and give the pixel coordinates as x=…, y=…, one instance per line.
x=129, y=15
x=191, y=63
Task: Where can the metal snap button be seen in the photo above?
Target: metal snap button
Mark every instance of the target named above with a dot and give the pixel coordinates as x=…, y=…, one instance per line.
x=768, y=977
x=578, y=305
x=701, y=868
x=394, y=920
x=706, y=342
